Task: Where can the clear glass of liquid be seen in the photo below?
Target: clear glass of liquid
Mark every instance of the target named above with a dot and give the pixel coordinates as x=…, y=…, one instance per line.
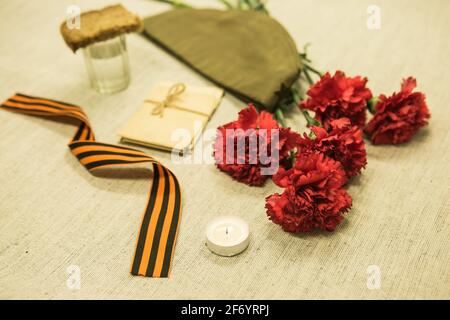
x=107, y=65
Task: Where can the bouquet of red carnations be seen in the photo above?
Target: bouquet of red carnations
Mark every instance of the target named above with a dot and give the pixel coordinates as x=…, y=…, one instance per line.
x=315, y=167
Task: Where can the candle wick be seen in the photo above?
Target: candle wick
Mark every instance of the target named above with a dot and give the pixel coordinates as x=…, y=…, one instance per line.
x=226, y=230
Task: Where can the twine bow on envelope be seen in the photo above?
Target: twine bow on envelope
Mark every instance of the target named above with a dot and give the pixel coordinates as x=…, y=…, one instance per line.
x=174, y=92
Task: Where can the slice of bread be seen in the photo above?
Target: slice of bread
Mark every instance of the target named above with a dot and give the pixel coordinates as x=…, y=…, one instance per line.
x=100, y=25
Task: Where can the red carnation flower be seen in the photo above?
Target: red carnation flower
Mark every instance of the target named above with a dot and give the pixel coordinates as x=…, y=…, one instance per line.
x=313, y=196
x=338, y=96
x=398, y=118
x=343, y=142
x=245, y=161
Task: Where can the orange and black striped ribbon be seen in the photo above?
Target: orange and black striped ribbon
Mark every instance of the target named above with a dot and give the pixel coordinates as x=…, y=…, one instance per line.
x=158, y=233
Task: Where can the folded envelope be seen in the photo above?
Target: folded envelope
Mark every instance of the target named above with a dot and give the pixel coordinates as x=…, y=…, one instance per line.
x=172, y=122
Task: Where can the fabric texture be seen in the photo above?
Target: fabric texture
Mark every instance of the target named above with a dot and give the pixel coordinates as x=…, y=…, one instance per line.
x=248, y=53
x=55, y=215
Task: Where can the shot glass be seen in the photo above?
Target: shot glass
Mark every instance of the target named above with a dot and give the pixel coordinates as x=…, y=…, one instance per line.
x=107, y=65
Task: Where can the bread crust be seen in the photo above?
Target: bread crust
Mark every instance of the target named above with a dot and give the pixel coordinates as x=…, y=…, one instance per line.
x=100, y=25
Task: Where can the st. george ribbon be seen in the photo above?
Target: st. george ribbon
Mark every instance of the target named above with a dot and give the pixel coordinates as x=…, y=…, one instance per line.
x=158, y=233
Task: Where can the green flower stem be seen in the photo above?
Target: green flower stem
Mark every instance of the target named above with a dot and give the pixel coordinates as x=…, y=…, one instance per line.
x=311, y=135
x=371, y=105
x=310, y=120
x=307, y=66
x=292, y=157
x=303, y=57
x=255, y=5
x=296, y=96
x=176, y=3
x=308, y=77
x=227, y=4
x=279, y=116
x=241, y=5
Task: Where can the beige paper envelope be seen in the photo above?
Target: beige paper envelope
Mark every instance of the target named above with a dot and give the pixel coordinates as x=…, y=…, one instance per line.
x=174, y=129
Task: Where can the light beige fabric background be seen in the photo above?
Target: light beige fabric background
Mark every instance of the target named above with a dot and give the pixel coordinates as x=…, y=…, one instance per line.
x=54, y=214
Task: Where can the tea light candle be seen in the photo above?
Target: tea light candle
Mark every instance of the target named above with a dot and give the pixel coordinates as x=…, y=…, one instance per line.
x=227, y=236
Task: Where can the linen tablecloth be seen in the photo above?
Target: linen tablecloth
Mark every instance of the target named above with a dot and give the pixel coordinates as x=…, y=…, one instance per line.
x=55, y=215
